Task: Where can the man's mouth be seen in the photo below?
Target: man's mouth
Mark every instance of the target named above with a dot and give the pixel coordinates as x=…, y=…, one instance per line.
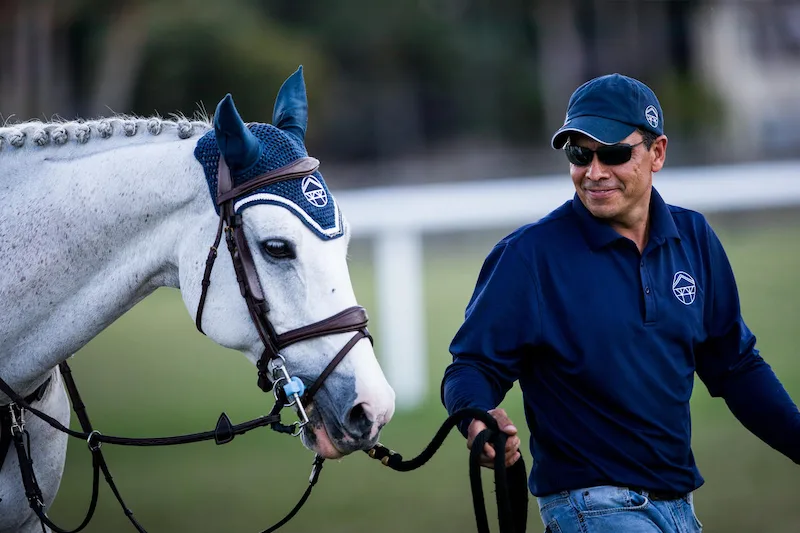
x=600, y=193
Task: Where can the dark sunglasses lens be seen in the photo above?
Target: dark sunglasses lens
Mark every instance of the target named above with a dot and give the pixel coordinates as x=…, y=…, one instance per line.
x=615, y=155
x=578, y=155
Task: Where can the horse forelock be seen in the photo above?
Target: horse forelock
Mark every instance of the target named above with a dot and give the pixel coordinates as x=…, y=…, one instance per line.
x=59, y=132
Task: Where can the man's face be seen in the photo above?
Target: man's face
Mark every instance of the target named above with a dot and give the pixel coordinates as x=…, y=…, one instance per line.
x=618, y=193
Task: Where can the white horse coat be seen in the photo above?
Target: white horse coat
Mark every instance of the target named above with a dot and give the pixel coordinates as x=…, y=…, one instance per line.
x=95, y=216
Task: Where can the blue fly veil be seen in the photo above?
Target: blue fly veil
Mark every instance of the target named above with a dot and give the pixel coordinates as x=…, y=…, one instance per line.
x=254, y=149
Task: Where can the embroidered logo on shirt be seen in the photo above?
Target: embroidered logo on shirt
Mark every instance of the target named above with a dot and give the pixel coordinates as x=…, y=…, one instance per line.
x=684, y=287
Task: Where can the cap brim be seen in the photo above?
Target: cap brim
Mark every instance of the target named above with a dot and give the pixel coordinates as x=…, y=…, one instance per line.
x=602, y=130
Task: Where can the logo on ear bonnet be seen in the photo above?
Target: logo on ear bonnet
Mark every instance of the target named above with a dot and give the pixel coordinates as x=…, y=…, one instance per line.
x=314, y=192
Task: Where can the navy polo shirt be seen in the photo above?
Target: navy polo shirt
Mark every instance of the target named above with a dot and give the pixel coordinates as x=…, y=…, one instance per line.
x=605, y=342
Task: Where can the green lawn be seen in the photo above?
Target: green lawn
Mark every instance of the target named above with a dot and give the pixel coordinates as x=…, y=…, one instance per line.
x=152, y=373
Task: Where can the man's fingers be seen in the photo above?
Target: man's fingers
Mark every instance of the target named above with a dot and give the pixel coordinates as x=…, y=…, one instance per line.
x=475, y=427
x=511, y=450
x=511, y=453
x=488, y=451
x=510, y=459
x=503, y=421
x=512, y=444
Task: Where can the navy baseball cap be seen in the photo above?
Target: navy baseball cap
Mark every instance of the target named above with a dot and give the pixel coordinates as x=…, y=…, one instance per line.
x=610, y=108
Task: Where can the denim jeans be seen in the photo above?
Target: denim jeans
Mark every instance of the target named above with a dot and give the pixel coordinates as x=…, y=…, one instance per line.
x=607, y=509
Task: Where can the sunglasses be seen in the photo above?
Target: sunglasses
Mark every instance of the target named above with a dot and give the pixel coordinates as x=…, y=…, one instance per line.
x=616, y=154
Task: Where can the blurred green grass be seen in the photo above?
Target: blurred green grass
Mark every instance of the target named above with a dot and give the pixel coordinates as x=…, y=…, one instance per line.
x=151, y=373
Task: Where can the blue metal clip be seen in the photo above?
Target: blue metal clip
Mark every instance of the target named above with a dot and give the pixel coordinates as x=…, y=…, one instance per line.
x=294, y=386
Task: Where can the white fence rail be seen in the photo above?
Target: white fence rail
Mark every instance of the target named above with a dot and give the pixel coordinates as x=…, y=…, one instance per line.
x=398, y=217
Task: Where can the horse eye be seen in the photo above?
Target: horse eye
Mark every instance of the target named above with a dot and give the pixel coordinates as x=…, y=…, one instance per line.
x=279, y=249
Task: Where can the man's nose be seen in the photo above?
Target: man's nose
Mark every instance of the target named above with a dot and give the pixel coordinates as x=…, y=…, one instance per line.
x=596, y=170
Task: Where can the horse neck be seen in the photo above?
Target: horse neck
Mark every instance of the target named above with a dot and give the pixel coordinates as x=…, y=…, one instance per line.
x=101, y=232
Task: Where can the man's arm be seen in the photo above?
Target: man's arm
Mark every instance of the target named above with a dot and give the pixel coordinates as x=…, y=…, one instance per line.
x=731, y=367
x=501, y=323
x=760, y=402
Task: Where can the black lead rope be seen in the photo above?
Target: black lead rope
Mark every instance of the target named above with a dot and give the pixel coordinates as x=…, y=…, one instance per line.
x=511, y=485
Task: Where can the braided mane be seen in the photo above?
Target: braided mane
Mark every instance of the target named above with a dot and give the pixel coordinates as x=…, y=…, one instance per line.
x=60, y=132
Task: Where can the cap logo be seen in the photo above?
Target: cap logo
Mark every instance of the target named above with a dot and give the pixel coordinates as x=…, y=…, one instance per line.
x=652, y=116
x=313, y=191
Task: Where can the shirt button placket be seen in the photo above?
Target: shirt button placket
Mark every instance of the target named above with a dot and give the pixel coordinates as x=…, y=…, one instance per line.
x=649, y=303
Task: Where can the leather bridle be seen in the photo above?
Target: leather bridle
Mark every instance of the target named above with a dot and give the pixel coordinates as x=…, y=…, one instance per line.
x=271, y=365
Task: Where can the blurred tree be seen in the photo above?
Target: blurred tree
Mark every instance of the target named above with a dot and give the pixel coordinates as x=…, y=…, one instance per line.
x=73, y=58
x=120, y=59
x=197, y=51
x=385, y=79
x=423, y=71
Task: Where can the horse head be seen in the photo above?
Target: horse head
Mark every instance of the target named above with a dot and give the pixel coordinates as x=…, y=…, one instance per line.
x=297, y=239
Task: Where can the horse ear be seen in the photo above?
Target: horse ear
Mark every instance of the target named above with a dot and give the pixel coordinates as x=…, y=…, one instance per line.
x=291, y=106
x=237, y=144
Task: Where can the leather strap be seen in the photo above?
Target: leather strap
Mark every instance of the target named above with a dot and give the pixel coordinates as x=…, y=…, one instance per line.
x=212, y=256
x=351, y=319
x=5, y=420
x=312, y=390
x=296, y=169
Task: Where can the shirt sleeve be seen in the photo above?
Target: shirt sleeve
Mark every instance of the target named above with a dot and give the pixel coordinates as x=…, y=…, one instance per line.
x=501, y=323
x=732, y=368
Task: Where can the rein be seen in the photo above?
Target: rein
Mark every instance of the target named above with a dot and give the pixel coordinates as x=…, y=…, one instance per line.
x=223, y=433
x=511, y=489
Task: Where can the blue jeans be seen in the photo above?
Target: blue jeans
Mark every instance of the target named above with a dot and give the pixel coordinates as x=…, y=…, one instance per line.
x=607, y=509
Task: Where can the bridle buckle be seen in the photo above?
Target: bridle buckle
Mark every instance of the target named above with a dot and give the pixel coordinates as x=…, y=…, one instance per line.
x=291, y=389
x=17, y=415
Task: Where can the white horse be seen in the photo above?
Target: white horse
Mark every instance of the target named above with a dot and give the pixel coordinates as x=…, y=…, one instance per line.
x=96, y=215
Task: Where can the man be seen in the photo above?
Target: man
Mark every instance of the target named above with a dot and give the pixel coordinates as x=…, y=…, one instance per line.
x=604, y=310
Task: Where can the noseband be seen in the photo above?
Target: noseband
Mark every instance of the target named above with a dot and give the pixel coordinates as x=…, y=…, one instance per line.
x=271, y=368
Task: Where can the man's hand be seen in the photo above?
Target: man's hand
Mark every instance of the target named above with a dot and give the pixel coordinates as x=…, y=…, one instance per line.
x=506, y=426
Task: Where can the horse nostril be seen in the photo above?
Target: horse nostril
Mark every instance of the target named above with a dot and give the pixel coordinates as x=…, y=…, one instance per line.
x=359, y=423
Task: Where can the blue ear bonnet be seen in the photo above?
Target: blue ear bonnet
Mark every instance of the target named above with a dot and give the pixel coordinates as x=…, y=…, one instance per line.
x=307, y=197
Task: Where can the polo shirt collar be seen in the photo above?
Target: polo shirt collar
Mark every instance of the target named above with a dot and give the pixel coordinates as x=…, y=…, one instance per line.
x=599, y=233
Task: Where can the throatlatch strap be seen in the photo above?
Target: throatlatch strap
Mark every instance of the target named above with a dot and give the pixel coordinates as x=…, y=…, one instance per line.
x=212, y=256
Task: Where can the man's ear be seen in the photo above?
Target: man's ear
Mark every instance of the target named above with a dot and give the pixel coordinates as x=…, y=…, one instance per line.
x=659, y=151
